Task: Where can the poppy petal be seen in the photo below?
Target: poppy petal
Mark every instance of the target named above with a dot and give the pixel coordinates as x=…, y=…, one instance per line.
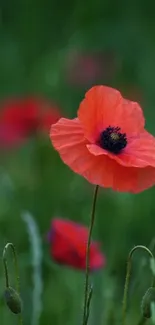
x=66, y=133
x=136, y=154
x=67, y=138
x=97, y=259
x=104, y=106
x=140, y=151
x=145, y=179
x=68, y=245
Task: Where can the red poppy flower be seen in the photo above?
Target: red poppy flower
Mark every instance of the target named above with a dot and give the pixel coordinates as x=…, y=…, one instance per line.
x=21, y=117
x=68, y=245
x=84, y=68
x=107, y=143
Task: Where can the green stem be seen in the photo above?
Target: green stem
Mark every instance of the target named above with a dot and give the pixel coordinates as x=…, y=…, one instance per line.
x=16, y=271
x=88, y=304
x=127, y=279
x=5, y=267
x=86, y=289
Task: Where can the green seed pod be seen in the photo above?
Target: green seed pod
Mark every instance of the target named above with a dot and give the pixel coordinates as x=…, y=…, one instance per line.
x=13, y=300
x=146, y=302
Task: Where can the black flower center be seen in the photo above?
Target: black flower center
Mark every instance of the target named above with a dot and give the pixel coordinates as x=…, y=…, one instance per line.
x=112, y=139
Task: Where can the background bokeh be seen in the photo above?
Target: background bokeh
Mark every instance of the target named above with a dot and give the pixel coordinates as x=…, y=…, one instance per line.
x=57, y=50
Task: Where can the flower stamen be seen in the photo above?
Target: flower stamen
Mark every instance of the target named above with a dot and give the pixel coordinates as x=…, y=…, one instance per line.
x=112, y=139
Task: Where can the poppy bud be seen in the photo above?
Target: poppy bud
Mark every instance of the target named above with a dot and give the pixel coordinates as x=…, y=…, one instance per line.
x=13, y=300
x=148, y=298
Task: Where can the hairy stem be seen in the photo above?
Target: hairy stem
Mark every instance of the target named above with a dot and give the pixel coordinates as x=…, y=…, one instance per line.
x=86, y=289
x=127, y=279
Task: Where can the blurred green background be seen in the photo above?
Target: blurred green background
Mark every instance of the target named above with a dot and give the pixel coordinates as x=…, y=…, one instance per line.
x=58, y=50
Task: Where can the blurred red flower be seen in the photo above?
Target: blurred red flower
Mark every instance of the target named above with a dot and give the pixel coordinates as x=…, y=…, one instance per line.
x=68, y=245
x=85, y=68
x=107, y=143
x=21, y=117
